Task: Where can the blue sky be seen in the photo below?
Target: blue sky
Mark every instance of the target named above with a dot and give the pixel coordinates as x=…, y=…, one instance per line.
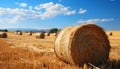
x=45, y=14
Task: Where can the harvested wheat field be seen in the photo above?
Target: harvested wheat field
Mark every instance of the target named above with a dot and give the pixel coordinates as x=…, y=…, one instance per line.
x=27, y=52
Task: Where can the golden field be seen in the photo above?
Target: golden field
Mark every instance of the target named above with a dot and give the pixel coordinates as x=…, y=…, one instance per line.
x=27, y=52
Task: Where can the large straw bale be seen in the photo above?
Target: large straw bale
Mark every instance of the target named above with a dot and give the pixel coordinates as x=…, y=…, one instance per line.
x=3, y=35
x=40, y=35
x=82, y=44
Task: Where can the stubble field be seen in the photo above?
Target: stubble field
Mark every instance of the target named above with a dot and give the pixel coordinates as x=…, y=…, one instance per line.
x=27, y=52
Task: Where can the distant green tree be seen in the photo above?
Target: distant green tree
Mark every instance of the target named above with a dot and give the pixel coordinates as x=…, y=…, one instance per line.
x=53, y=30
x=5, y=30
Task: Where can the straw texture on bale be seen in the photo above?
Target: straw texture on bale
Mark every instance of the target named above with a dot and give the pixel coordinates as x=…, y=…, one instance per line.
x=40, y=35
x=82, y=44
x=3, y=35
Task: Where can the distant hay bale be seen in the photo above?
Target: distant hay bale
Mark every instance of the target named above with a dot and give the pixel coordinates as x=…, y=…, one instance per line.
x=3, y=35
x=82, y=44
x=19, y=33
x=29, y=33
x=110, y=33
x=47, y=34
x=40, y=35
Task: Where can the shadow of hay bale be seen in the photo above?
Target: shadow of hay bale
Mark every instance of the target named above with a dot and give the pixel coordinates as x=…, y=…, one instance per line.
x=111, y=64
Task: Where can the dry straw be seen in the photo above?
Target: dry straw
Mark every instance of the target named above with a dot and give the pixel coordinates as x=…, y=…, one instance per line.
x=3, y=35
x=4, y=46
x=40, y=35
x=82, y=44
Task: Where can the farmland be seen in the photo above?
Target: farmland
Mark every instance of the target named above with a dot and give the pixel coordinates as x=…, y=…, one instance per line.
x=27, y=52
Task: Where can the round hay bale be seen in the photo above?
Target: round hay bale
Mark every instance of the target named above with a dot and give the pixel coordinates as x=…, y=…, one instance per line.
x=110, y=33
x=82, y=44
x=19, y=33
x=30, y=33
x=47, y=34
x=40, y=35
x=3, y=35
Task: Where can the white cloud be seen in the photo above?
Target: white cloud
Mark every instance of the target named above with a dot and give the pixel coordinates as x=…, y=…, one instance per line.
x=16, y=14
x=42, y=11
x=52, y=10
x=95, y=20
x=82, y=11
x=14, y=19
x=22, y=4
x=30, y=7
x=0, y=20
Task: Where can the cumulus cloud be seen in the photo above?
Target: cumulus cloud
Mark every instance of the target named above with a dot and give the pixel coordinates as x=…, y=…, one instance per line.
x=82, y=11
x=16, y=14
x=30, y=7
x=95, y=20
x=14, y=19
x=42, y=11
x=52, y=10
x=22, y=4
